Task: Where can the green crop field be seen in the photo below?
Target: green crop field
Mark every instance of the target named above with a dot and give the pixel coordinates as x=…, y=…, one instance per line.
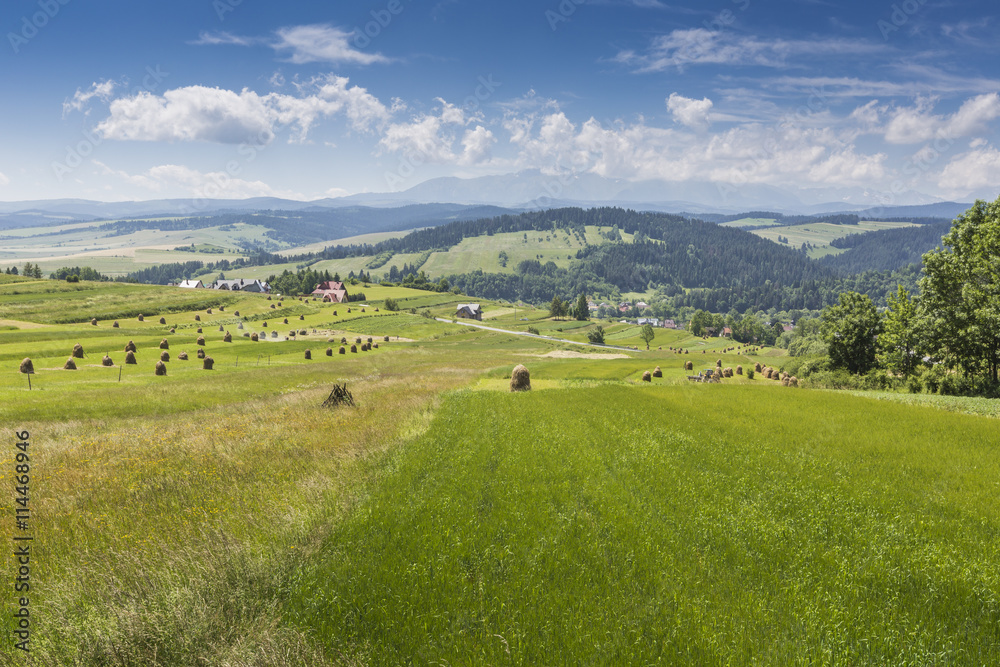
x=226, y=516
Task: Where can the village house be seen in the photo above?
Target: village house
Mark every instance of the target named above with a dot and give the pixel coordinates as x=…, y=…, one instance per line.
x=331, y=291
x=191, y=284
x=648, y=320
x=471, y=311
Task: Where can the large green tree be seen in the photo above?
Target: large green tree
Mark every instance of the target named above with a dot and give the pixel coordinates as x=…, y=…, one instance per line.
x=647, y=334
x=960, y=293
x=582, y=312
x=851, y=329
x=899, y=342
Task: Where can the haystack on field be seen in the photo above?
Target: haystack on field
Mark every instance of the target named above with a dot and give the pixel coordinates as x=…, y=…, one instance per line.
x=520, y=379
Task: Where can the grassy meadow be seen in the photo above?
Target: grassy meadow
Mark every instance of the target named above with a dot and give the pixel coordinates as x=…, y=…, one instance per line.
x=225, y=517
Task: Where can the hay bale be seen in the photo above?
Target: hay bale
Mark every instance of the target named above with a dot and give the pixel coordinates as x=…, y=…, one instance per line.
x=272, y=306
x=329, y=351
x=274, y=334
x=348, y=310
x=784, y=381
x=209, y=311
x=286, y=320
x=236, y=313
x=369, y=340
x=358, y=340
x=173, y=329
x=222, y=309
x=688, y=366
x=343, y=341
x=115, y=325
x=354, y=349
x=164, y=356
x=130, y=358
x=756, y=367
x=385, y=338
x=106, y=361
x=362, y=310
x=201, y=353
x=718, y=362
x=647, y=376
x=27, y=367
x=183, y=356
x=254, y=337
x=140, y=318
x=309, y=354
x=264, y=326
x=207, y=363
x=376, y=310
x=228, y=338
x=93, y=322
x=163, y=320
x=246, y=334
x=520, y=379
x=197, y=318
x=70, y=365
x=303, y=332
x=739, y=370
x=268, y=298
x=376, y=346
x=343, y=350
x=334, y=313
x=302, y=317
x=164, y=345
x=78, y=351
x=657, y=373
x=728, y=372
x=793, y=381
x=200, y=341
x=221, y=328
x=240, y=326
x=199, y=330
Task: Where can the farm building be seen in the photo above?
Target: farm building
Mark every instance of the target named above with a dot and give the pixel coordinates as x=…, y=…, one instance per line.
x=331, y=291
x=471, y=311
x=654, y=321
x=243, y=285
x=191, y=284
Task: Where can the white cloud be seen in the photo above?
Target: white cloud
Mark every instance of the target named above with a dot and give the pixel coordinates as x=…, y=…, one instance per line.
x=3, y=179
x=700, y=46
x=182, y=181
x=102, y=91
x=433, y=139
x=690, y=112
x=976, y=170
x=323, y=43
x=198, y=113
x=918, y=124
x=227, y=38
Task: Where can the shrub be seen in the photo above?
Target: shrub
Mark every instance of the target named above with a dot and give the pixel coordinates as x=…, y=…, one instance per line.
x=534, y=330
x=391, y=304
x=750, y=373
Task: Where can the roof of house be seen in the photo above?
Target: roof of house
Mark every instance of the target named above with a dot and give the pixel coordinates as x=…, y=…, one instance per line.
x=191, y=283
x=473, y=307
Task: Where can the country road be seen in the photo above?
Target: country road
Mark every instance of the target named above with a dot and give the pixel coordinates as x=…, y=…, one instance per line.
x=531, y=335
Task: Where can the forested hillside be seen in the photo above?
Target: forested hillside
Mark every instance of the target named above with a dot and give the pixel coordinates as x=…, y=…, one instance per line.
x=888, y=249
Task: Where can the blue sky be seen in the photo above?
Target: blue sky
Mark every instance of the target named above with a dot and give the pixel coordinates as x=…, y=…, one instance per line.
x=239, y=98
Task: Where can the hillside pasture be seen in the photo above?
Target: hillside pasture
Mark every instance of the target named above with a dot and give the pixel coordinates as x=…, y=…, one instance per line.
x=820, y=234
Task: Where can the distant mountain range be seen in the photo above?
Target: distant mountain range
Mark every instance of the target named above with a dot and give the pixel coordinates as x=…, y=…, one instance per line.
x=526, y=190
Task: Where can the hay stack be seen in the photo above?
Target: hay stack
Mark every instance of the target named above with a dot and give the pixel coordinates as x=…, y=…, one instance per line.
x=354, y=349
x=302, y=317
x=222, y=309
x=343, y=341
x=236, y=313
x=27, y=367
x=793, y=381
x=329, y=351
x=209, y=311
x=348, y=310
x=657, y=373
x=254, y=337
x=369, y=340
x=358, y=340
x=784, y=381
x=343, y=350
x=130, y=358
x=93, y=322
x=221, y=328
x=688, y=366
x=173, y=329
x=106, y=361
x=246, y=334
x=728, y=373
x=376, y=310
x=115, y=325
x=140, y=318
x=164, y=356
x=70, y=365
x=385, y=338
x=197, y=318
x=647, y=376
x=240, y=326
x=163, y=320
x=309, y=354
x=334, y=313
x=362, y=310
x=264, y=326
x=272, y=306
x=201, y=353
x=376, y=346
x=199, y=330
x=303, y=332
x=520, y=379
x=756, y=367
x=78, y=351
x=228, y=338
x=207, y=363
x=286, y=320
x=739, y=370
x=164, y=345
x=183, y=356
x=201, y=340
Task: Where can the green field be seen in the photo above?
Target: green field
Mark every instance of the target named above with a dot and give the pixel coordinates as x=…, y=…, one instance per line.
x=820, y=234
x=750, y=222
x=225, y=517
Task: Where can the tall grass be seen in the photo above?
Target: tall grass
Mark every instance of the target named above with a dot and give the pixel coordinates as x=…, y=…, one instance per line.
x=682, y=525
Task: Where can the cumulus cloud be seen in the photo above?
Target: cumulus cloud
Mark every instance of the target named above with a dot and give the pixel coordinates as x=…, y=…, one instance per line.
x=102, y=91
x=693, y=113
x=434, y=138
x=199, y=113
x=975, y=170
x=918, y=123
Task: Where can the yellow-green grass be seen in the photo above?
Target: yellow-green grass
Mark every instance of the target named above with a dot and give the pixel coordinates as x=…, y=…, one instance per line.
x=750, y=222
x=360, y=239
x=820, y=234
x=693, y=524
